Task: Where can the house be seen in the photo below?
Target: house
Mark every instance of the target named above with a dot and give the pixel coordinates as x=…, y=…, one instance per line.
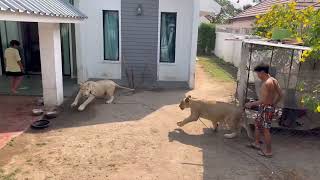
x=141, y=43
x=242, y=23
x=208, y=8
x=37, y=25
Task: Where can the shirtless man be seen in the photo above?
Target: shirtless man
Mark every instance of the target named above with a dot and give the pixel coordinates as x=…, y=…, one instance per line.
x=271, y=94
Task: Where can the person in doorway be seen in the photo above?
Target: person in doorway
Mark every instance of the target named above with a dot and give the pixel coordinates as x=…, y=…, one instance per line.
x=271, y=94
x=14, y=67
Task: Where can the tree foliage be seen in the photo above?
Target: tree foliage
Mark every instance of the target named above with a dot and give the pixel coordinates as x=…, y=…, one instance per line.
x=227, y=11
x=207, y=38
x=247, y=6
x=304, y=25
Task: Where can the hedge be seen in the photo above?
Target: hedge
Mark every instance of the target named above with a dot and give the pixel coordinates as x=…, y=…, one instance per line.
x=206, y=38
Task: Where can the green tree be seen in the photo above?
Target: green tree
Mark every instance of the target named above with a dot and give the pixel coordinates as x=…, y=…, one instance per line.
x=206, y=39
x=304, y=26
x=227, y=11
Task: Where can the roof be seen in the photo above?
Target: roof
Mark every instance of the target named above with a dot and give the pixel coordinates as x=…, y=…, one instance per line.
x=266, y=43
x=48, y=8
x=266, y=5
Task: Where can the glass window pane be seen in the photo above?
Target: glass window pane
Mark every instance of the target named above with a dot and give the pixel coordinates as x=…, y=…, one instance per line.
x=9, y=30
x=111, y=35
x=168, y=37
x=65, y=49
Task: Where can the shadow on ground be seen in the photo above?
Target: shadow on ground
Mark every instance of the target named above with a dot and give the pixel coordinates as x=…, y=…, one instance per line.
x=126, y=107
x=296, y=156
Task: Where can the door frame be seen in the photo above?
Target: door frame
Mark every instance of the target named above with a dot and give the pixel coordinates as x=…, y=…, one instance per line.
x=24, y=38
x=2, y=65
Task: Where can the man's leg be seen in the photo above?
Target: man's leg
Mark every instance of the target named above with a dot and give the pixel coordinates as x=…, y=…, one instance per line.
x=269, y=112
x=18, y=82
x=13, y=85
x=257, y=133
x=12, y=82
x=267, y=138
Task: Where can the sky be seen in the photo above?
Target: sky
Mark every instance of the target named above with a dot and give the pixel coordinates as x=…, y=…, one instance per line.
x=241, y=3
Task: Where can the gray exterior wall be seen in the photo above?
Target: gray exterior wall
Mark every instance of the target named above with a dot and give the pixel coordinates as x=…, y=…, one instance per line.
x=139, y=42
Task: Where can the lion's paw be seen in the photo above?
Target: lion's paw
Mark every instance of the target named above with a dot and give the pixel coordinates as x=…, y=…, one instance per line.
x=73, y=105
x=81, y=108
x=180, y=124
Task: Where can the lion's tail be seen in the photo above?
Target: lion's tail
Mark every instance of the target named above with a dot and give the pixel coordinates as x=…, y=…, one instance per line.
x=122, y=87
x=245, y=124
x=238, y=125
x=231, y=135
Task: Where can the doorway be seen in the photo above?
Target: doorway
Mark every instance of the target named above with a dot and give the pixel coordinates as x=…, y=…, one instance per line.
x=28, y=34
x=2, y=69
x=31, y=50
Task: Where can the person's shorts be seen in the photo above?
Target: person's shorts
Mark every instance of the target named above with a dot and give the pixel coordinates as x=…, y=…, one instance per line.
x=265, y=116
x=14, y=74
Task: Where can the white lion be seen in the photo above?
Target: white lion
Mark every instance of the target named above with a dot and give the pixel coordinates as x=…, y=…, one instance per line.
x=93, y=89
x=216, y=112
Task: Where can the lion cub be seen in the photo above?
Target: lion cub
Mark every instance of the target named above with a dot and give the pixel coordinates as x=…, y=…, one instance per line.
x=216, y=112
x=93, y=89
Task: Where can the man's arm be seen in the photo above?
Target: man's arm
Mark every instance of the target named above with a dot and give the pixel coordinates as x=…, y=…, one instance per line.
x=265, y=88
x=251, y=104
x=19, y=61
x=255, y=103
x=21, y=66
x=278, y=91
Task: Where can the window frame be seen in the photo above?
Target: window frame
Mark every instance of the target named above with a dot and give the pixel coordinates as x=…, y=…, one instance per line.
x=175, y=46
x=104, y=34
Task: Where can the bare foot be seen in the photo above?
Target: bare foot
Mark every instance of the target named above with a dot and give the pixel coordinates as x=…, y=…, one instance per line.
x=23, y=88
x=265, y=154
x=14, y=91
x=253, y=145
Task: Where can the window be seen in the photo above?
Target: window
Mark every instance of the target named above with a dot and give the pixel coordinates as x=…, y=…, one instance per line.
x=111, y=35
x=168, y=37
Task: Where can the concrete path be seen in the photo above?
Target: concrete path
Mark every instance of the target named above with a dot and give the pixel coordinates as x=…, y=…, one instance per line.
x=137, y=138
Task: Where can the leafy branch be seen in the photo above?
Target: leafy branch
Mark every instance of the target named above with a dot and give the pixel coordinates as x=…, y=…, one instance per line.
x=304, y=25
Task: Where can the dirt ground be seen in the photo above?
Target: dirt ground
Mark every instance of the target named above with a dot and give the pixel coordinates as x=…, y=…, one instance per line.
x=137, y=138
x=15, y=116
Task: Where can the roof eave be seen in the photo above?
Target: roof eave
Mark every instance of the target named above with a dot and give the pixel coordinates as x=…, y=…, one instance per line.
x=26, y=17
x=242, y=18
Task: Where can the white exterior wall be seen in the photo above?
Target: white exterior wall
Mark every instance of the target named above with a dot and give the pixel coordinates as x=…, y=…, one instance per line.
x=178, y=71
x=90, y=52
x=51, y=63
x=90, y=57
x=228, y=50
x=194, y=44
